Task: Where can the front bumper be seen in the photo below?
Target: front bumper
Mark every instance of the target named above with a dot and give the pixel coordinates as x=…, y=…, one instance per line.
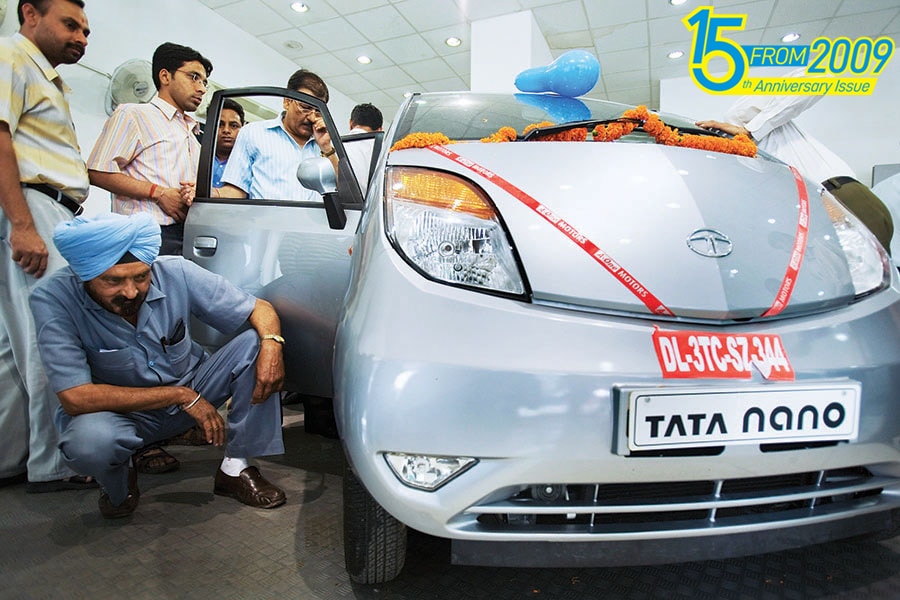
x=666, y=550
x=529, y=391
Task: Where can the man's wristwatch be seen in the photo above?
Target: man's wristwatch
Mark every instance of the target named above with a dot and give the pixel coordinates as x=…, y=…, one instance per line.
x=274, y=337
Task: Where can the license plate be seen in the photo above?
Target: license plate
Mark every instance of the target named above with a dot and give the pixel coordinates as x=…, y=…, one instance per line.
x=703, y=354
x=663, y=418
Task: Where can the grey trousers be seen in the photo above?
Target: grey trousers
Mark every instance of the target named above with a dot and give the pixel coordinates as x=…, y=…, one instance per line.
x=27, y=404
x=101, y=443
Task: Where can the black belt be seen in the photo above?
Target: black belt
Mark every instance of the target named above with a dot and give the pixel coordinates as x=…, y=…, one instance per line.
x=836, y=182
x=57, y=195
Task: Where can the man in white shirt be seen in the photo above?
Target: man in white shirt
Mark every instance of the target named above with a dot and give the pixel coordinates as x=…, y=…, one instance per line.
x=364, y=118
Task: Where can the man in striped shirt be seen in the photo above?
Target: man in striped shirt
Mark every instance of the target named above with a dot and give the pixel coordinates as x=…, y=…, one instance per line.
x=43, y=181
x=147, y=154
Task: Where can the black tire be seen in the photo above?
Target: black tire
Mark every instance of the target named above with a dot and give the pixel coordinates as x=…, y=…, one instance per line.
x=374, y=541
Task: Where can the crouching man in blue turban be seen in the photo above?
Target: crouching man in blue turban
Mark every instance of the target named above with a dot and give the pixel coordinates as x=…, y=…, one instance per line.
x=114, y=336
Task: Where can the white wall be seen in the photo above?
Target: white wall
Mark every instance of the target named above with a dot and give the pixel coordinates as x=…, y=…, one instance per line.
x=863, y=130
x=122, y=30
x=498, y=57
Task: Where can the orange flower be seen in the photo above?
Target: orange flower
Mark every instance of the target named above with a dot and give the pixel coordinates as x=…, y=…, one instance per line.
x=639, y=113
x=504, y=134
x=579, y=134
x=612, y=131
x=572, y=135
x=421, y=140
x=536, y=126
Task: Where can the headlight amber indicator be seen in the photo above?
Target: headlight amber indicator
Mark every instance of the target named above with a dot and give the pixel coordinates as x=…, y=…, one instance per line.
x=439, y=190
x=869, y=264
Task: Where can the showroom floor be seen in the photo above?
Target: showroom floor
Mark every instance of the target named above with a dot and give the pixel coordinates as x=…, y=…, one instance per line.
x=184, y=542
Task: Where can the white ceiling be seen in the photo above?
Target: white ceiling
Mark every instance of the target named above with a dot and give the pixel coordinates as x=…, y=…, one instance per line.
x=631, y=38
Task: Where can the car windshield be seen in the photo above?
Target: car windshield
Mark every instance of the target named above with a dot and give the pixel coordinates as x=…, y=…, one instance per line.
x=468, y=116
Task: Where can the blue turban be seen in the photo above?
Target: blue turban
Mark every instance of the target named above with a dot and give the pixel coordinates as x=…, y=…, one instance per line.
x=93, y=245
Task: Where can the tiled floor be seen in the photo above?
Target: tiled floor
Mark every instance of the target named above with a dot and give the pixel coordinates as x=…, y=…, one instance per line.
x=184, y=542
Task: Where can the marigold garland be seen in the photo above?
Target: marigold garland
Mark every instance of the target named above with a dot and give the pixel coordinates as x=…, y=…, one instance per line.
x=612, y=131
x=632, y=118
x=578, y=134
x=536, y=126
x=421, y=140
x=504, y=134
x=663, y=134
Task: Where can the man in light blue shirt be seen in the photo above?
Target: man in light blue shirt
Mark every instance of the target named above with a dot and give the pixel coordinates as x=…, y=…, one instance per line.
x=263, y=163
x=114, y=336
x=230, y=122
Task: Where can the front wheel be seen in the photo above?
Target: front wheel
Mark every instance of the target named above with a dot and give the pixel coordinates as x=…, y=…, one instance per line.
x=374, y=541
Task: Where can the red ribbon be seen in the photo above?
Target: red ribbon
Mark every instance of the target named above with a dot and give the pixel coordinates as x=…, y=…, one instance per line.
x=606, y=261
x=793, y=269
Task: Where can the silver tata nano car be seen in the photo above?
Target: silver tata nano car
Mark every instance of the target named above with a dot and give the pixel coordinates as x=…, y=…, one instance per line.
x=569, y=332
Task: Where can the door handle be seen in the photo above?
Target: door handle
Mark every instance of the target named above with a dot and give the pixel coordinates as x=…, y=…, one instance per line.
x=205, y=246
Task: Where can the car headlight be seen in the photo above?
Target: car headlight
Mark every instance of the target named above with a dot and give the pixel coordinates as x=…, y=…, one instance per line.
x=869, y=263
x=426, y=472
x=447, y=228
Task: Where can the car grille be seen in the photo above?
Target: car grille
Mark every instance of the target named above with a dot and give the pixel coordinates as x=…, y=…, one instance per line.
x=657, y=508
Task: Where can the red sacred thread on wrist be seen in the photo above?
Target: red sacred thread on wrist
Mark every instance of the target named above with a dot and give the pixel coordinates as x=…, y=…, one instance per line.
x=152, y=190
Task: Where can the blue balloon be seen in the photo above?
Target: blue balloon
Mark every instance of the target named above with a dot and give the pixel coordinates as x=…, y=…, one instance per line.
x=575, y=73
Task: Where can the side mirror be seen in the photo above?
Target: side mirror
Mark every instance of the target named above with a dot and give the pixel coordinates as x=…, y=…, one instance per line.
x=318, y=174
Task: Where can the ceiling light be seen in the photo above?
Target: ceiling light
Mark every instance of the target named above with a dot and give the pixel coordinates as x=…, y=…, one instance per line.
x=363, y=59
x=790, y=37
x=292, y=44
x=453, y=42
x=299, y=7
x=675, y=54
x=677, y=2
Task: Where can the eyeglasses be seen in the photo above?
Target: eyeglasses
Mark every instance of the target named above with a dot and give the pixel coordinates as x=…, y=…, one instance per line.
x=304, y=107
x=196, y=78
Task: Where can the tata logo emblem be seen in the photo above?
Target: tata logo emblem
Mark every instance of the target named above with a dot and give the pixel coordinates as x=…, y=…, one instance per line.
x=709, y=242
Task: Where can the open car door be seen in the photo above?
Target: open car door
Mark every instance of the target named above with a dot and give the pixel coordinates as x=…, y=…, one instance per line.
x=295, y=254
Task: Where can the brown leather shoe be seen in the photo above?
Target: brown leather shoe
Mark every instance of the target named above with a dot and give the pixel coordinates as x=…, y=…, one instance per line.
x=110, y=510
x=250, y=487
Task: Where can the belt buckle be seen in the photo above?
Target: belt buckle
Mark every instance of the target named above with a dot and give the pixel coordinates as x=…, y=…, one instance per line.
x=66, y=201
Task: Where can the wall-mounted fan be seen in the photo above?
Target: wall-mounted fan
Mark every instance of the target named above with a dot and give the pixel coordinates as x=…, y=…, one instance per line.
x=131, y=82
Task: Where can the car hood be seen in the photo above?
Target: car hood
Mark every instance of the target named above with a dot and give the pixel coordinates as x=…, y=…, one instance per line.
x=640, y=205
